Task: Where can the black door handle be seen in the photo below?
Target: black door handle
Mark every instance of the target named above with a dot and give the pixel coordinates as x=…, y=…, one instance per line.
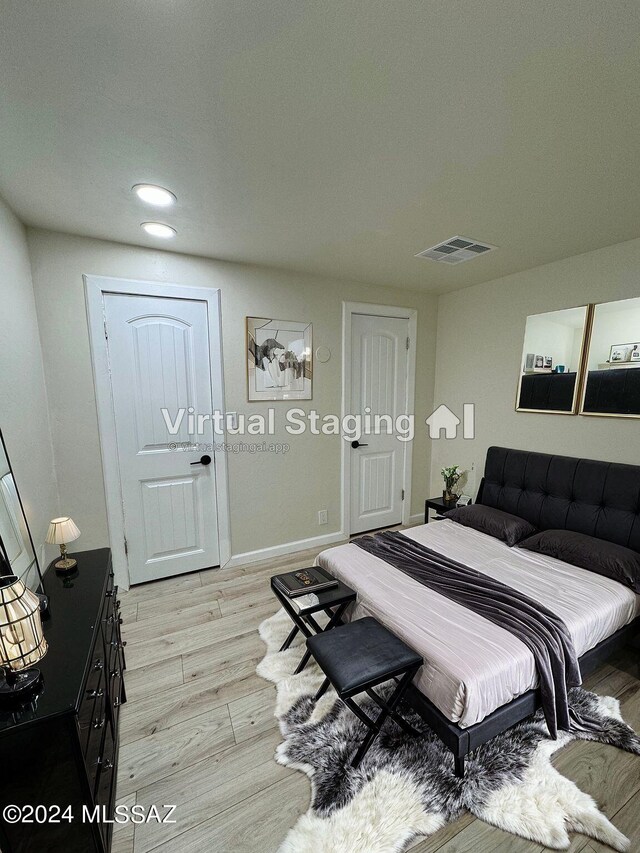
x=355, y=444
x=204, y=460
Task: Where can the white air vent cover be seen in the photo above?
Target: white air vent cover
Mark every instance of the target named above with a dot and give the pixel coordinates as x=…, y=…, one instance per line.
x=457, y=250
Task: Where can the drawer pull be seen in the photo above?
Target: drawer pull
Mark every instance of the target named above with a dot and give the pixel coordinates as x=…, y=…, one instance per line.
x=118, y=644
x=107, y=765
x=116, y=703
x=98, y=665
x=98, y=724
x=95, y=694
x=115, y=673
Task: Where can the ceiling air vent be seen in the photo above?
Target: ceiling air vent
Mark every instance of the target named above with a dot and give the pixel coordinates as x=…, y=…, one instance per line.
x=457, y=250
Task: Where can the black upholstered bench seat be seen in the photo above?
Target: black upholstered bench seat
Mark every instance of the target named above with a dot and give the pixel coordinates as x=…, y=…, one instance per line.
x=361, y=654
x=357, y=657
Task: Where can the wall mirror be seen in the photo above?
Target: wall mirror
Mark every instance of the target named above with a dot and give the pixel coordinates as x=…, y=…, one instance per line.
x=17, y=553
x=612, y=385
x=551, y=361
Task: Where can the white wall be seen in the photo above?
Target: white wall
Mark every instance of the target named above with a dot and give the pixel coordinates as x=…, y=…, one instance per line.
x=24, y=415
x=274, y=499
x=487, y=324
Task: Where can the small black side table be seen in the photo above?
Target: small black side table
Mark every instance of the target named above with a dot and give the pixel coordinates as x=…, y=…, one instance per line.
x=435, y=503
x=332, y=601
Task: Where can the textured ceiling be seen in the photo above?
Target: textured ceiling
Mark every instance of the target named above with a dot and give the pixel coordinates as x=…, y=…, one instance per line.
x=338, y=138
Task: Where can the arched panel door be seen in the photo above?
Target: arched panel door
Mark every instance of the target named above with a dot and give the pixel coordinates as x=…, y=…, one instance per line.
x=159, y=360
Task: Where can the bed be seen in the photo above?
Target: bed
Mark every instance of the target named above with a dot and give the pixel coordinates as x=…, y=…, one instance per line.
x=479, y=679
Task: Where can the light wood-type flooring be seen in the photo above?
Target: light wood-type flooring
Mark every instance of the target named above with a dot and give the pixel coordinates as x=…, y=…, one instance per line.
x=198, y=729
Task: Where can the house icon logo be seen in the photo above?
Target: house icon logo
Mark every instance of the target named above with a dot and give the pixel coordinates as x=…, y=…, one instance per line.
x=443, y=419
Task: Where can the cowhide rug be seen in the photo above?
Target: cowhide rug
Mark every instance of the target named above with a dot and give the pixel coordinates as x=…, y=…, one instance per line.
x=406, y=787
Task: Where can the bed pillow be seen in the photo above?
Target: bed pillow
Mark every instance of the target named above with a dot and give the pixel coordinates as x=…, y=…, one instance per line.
x=494, y=522
x=604, y=558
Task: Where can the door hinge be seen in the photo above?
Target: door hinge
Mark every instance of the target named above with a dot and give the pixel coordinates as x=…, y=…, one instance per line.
x=402, y=495
x=106, y=334
x=126, y=547
x=408, y=341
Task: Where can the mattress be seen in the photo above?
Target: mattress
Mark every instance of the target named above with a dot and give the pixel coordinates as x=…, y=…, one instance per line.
x=471, y=665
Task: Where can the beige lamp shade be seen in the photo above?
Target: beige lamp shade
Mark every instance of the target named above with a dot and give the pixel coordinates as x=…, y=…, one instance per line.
x=62, y=530
x=22, y=642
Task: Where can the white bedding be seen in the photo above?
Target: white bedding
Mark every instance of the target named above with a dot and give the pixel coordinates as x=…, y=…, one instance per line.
x=471, y=665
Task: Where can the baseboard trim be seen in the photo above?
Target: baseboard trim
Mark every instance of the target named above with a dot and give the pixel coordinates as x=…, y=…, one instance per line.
x=285, y=548
x=418, y=518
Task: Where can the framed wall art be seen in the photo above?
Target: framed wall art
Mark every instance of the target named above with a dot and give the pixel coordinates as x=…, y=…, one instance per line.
x=279, y=359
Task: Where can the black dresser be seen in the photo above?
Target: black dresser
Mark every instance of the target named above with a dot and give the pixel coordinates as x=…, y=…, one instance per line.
x=60, y=750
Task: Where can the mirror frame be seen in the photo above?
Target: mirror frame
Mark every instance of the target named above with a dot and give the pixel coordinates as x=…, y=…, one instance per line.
x=583, y=392
x=578, y=391
x=36, y=561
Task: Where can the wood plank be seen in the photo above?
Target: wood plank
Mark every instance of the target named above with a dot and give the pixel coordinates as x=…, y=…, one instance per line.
x=188, y=640
x=246, y=604
x=167, y=604
x=128, y=611
x=161, y=711
x=255, y=825
x=227, y=653
x=154, y=680
x=253, y=714
x=152, y=758
x=157, y=589
x=123, y=833
x=176, y=620
x=210, y=787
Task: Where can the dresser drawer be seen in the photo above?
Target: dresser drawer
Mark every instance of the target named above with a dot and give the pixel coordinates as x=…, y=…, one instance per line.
x=115, y=692
x=94, y=746
x=106, y=767
x=91, y=705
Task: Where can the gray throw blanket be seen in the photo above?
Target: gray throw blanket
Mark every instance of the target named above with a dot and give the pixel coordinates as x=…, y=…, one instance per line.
x=544, y=633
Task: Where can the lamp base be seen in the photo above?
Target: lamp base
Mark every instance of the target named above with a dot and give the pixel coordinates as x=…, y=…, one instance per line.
x=65, y=565
x=16, y=684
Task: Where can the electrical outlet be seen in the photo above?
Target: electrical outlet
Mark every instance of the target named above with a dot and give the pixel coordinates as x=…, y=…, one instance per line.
x=323, y=516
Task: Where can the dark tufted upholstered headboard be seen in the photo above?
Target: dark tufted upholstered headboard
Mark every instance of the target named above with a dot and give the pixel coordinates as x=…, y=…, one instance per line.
x=560, y=492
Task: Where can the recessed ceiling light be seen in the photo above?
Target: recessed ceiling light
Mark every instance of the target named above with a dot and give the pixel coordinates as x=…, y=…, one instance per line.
x=151, y=194
x=158, y=229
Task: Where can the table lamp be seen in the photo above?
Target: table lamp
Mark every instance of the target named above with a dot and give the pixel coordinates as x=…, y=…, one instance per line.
x=22, y=642
x=62, y=530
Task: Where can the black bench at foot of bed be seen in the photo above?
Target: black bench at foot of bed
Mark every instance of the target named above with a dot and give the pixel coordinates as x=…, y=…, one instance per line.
x=462, y=741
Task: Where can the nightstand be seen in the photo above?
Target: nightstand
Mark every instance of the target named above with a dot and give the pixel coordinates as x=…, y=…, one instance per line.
x=438, y=505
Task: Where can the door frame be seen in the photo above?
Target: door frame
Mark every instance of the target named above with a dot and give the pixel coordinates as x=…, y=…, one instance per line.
x=375, y=310
x=95, y=287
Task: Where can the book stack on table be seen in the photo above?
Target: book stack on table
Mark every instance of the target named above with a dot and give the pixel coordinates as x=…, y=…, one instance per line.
x=304, y=581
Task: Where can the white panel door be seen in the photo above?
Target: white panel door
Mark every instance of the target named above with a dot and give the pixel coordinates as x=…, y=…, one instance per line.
x=378, y=387
x=158, y=351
